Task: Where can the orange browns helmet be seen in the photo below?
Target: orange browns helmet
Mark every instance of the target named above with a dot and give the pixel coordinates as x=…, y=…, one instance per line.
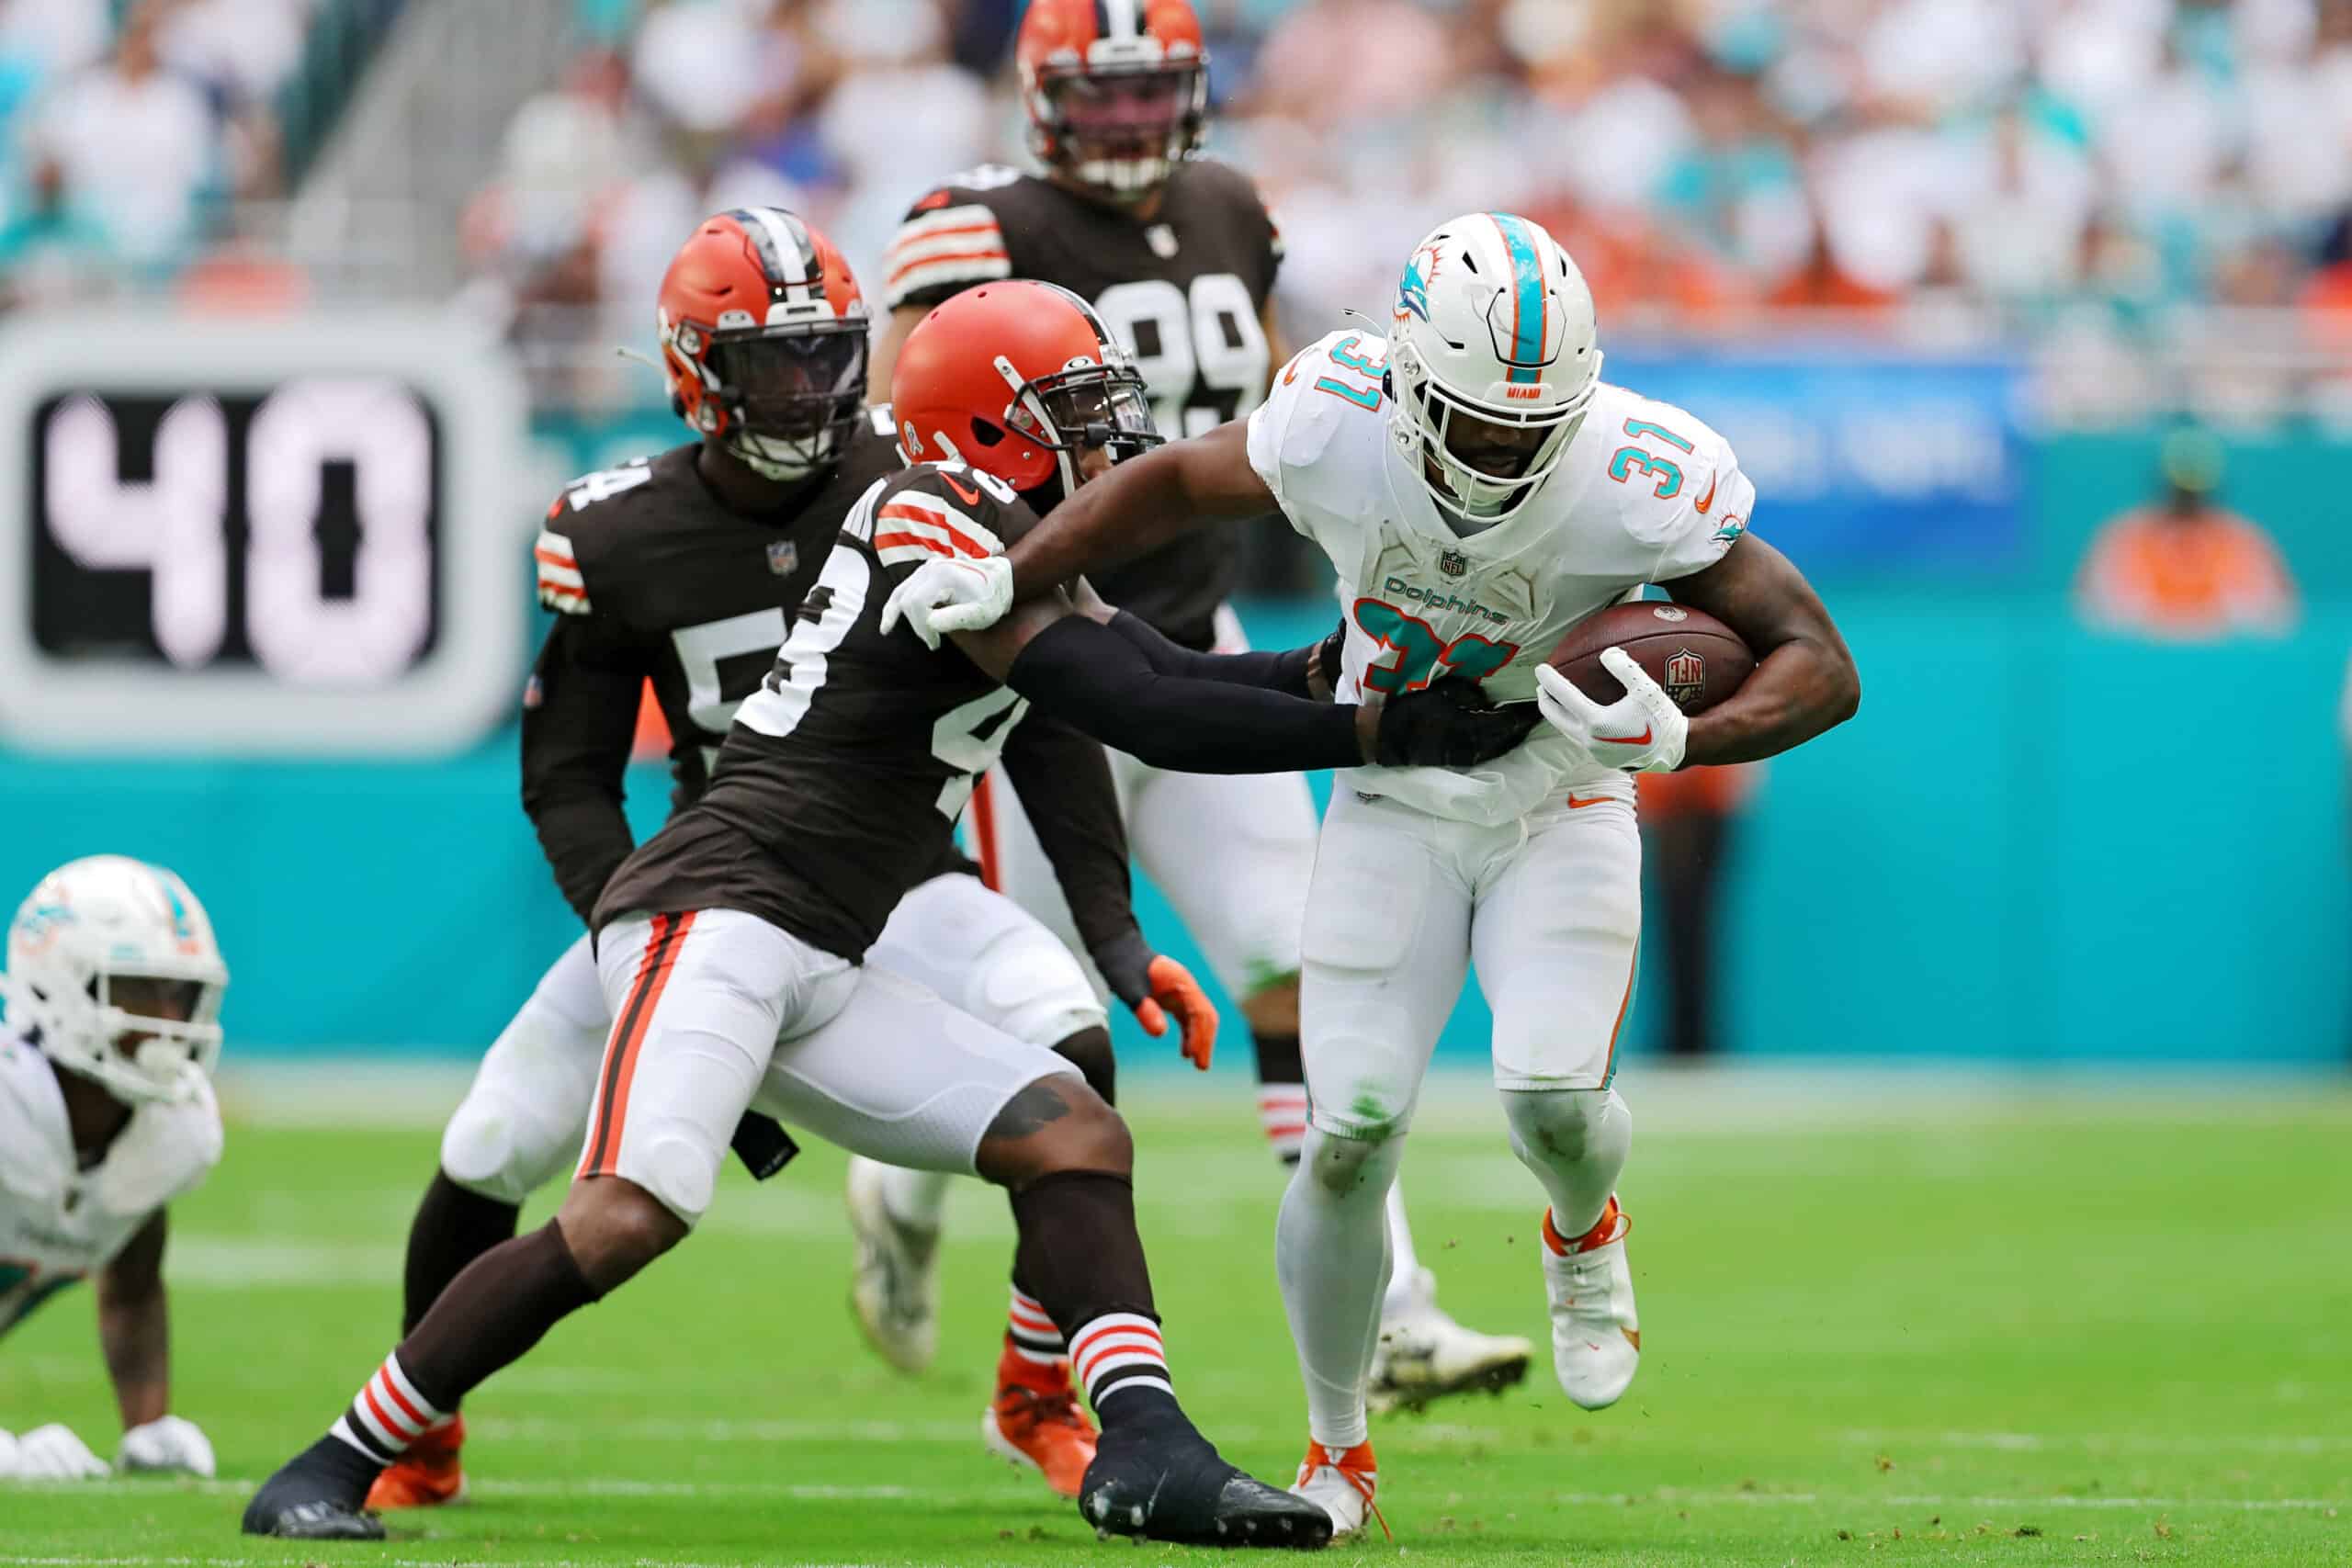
x=764, y=339
x=1117, y=90
x=1018, y=379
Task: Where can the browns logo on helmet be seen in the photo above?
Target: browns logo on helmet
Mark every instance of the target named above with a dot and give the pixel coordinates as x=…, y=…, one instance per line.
x=1019, y=379
x=764, y=339
x=1117, y=90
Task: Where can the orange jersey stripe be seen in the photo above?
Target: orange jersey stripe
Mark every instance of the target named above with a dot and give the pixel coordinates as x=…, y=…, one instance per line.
x=997, y=254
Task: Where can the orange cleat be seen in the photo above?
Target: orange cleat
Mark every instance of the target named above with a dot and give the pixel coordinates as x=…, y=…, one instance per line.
x=428, y=1475
x=1036, y=1422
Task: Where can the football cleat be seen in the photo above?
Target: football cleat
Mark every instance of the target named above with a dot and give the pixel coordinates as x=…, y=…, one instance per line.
x=426, y=1476
x=894, y=1289
x=1341, y=1483
x=1045, y=1432
x=316, y=1495
x=1424, y=1355
x=1162, y=1480
x=1596, y=1338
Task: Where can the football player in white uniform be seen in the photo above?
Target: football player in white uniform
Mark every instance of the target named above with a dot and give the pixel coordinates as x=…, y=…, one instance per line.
x=113, y=997
x=1480, y=489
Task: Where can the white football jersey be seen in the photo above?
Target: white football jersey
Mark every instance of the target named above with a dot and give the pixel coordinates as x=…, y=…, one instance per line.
x=1645, y=493
x=59, y=1224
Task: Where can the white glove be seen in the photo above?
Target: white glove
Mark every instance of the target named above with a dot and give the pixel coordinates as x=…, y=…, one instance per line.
x=951, y=595
x=1641, y=731
x=54, y=1453
x=168, y=1442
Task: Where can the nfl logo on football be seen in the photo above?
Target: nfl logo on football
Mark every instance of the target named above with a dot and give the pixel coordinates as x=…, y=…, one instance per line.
x=1686, y=676
x=1454, y=563
x=783, y=556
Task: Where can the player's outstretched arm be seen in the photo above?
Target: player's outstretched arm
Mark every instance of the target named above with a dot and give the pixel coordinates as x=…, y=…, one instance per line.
x=1804, y=681
x=1312, y=672
x=134, y=1333
x=1080, y=668
x=1136, y=507
x=1140, y=505
x=134, y=1326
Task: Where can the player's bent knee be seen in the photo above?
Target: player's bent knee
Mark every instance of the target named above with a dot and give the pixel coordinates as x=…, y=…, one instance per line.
x=501, y=1150
x=614, y=1228
x=1345, y=1166
x=1559, y=1127
x=1052, y=1125
x=1089, y=1052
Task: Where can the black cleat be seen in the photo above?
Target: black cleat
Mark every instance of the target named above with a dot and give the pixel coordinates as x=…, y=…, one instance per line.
x=1166, y=1482
x=317, y=1495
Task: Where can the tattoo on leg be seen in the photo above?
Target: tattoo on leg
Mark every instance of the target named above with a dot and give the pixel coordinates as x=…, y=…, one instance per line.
x=1029, y=1110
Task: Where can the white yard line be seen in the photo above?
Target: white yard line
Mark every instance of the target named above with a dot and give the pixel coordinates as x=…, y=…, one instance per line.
x=1016, y=1494
x=2120, y=1443
x=358, y=1088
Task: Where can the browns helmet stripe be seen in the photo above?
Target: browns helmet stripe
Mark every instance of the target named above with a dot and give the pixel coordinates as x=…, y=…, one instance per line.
x=786, y=255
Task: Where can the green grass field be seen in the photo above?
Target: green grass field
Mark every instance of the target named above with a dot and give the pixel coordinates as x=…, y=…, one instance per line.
x=1911, y=1320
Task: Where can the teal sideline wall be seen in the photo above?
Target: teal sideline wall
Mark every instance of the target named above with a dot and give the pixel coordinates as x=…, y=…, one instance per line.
x=2034, y=844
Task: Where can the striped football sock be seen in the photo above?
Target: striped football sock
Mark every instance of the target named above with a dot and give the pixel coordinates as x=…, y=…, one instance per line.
x=1282, y=1110
x=1120, y=1353
x=387, y=1416
x=1031, y=1336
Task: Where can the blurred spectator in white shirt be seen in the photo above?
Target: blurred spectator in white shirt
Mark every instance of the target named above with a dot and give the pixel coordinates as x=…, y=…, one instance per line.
x=56, y=35
x=245, y=48
x=132, y=147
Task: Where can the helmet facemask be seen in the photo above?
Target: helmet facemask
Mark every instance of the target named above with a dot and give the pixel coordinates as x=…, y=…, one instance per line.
x=143, y=1032
x=1084, y=406
x=1481, y=463
x=792, y=395
x=1120, y=131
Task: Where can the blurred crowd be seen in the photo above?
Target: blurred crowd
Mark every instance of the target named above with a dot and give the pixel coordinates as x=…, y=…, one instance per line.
x=2066, y=165
x=131, y=126
x=2072, y=170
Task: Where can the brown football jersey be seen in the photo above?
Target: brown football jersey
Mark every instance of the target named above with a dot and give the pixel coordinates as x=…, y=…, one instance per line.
x=1185, y=291
x=838, y=788
x=651, y=577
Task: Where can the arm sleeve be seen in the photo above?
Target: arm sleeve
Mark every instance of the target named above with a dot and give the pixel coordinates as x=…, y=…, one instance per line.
x=1064, y=782
x=579, y=721
x=1286, y=672
x=947, y=242
x=1104, y=684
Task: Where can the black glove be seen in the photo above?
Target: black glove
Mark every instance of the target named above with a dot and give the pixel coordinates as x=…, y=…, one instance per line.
x=1324, y=666
x=1449, y=724
x=1125, y=964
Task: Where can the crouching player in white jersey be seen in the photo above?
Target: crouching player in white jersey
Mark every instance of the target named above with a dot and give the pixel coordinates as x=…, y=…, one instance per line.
x=113, y=994
x=1479, y=490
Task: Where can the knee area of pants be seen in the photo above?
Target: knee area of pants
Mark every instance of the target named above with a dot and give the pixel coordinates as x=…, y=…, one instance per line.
x=498, y=1149
x=1343, y=1166
x=671, y=1174
x=615, y=1227
x=1555, y=1126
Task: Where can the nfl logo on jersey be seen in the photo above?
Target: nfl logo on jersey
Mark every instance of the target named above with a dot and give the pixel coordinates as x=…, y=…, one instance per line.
x=1686, y=676
x=1454, y=563
x=783, y=556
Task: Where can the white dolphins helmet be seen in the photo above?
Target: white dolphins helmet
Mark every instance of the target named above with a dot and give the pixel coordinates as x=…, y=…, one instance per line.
x=91, y=924
x=1494, y=322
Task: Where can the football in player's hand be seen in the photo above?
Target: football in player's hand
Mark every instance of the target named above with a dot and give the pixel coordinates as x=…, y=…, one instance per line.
x=1695, y=657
